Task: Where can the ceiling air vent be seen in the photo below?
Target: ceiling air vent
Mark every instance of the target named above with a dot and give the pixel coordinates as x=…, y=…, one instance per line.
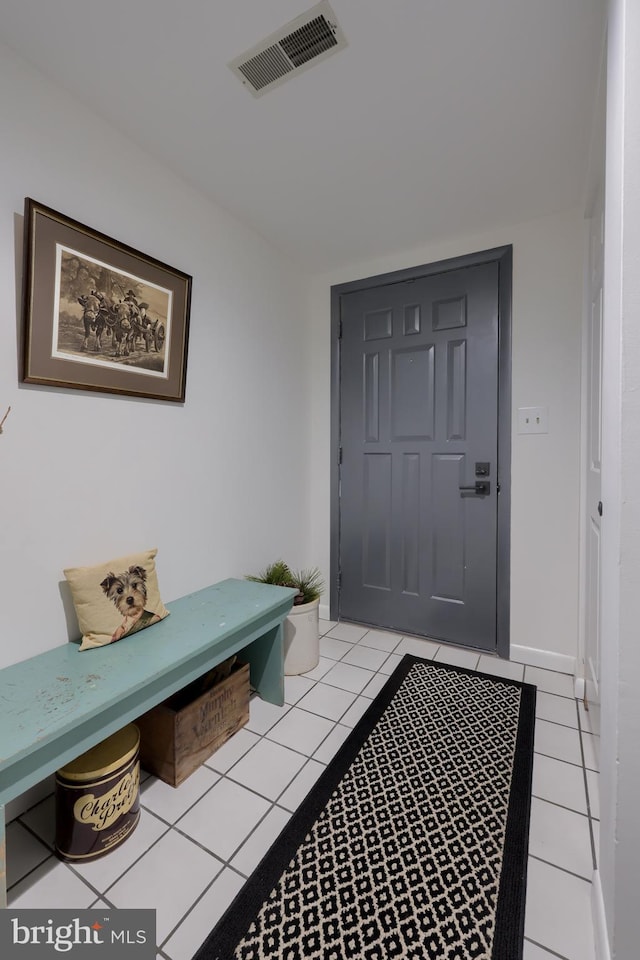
x=298, y=45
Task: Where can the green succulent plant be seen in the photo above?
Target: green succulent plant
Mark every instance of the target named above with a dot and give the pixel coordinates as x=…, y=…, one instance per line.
x=277, y=573
x=308, y=582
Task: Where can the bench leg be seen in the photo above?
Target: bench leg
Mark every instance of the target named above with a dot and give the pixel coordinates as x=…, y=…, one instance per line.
x=265, y=657
x=3, y=861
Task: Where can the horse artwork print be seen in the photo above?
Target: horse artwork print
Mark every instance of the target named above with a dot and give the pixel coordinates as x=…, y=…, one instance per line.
x=98, y=314
x=103, y=316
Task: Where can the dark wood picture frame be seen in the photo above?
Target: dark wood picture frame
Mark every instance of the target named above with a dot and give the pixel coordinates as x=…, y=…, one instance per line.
x=99, y=315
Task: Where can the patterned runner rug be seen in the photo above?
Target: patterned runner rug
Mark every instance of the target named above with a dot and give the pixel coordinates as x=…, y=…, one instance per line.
x=413, y=843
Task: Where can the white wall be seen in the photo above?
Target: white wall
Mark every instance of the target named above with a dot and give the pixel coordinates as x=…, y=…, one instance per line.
x=619, y=854
x=547, y=310
x=219, y=484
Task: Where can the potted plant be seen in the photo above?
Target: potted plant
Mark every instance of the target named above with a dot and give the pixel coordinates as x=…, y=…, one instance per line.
x=301, y=627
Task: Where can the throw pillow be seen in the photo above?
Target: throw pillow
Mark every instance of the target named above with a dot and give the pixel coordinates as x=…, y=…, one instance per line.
x=116, y=599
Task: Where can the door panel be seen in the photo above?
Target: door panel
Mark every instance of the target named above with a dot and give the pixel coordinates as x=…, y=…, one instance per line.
x=376, y=521
x=448, y=539
x=418, y=394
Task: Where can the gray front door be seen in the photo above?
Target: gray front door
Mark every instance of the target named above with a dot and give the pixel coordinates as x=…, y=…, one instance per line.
x=418, y=478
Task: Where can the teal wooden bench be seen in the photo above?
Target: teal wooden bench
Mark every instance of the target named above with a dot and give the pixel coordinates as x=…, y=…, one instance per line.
x=60, y=703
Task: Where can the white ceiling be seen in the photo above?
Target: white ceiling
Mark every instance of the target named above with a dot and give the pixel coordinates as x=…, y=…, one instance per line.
x=441, y=117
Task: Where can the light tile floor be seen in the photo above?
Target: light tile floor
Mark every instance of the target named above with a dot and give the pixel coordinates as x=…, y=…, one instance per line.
x=195, y=845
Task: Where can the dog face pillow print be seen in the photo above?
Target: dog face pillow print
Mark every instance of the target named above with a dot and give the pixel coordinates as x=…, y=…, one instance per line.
x=116, y=599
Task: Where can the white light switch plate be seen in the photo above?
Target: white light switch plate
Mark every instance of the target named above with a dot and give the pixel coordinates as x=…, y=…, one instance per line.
x=533, y=419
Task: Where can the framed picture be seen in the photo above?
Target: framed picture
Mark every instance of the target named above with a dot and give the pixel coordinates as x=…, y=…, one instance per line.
x=98, y=315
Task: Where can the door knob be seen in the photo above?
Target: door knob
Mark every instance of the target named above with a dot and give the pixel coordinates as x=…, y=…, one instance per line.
x=480, y=488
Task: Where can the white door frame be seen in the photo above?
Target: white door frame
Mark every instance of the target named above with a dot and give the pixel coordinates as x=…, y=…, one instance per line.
x=593, y=207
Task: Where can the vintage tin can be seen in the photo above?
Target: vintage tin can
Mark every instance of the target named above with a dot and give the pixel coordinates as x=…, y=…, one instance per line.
x=98, y=798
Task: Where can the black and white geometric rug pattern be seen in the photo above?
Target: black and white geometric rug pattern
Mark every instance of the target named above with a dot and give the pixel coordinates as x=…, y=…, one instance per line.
x=404, y=859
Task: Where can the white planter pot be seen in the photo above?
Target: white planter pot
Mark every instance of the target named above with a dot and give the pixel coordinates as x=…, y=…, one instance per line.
x=302, y=639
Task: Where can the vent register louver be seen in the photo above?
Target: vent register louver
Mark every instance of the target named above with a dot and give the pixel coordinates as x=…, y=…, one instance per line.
x=299, y=44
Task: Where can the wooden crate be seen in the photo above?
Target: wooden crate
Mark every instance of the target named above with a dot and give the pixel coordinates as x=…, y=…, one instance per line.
x=176, y=737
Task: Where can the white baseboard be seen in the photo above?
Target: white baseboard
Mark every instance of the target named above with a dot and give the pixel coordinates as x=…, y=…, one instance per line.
x=578, y=688
x=324, y=611
x=600, y=937
x=544, y=658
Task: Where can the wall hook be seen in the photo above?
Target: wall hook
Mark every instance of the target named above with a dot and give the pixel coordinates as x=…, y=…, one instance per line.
x=4, y=418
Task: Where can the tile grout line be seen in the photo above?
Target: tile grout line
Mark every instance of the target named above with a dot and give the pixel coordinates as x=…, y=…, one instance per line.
x=265, y=736
x=552, y=953
x=33, y=806
x=557, y=723
x=195, y=903
x=109, y=903
x=334, y=686
x=159, y=816
x=546, y=669
x=49, y=856
x=48, y=846
x=254, y=791
x=572, y=873
x=85, y=881
x=552, y=693
x=561, y=806
x=127, y=869
x=559, y=759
